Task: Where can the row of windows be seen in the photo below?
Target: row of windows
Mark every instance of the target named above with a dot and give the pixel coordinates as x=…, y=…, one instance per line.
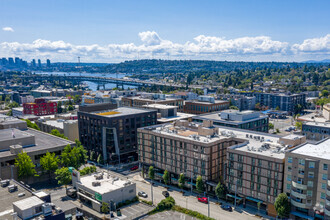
x=302, y=162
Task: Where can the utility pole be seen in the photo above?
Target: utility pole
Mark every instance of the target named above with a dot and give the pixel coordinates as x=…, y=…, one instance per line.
x=191, y=185
x=152, y=195
x=235, y=192
x=208, y=206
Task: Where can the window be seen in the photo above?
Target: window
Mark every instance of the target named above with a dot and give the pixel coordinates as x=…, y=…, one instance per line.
x=301, y=171
x=322, y=195
x=289, y=168
x=310, y=183
x=311, y=164
x=324, y=185
x=288, y=186
x=309, y=192
x=301, y=162
x=325, y=166
x=288, y=178
x=289, y=159
x=310, y=174
x=324, y=176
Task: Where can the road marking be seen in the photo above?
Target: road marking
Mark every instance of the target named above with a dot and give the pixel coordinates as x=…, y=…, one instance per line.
x=6, y=212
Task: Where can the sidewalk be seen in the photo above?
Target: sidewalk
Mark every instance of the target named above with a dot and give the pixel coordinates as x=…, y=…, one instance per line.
x=239, y=208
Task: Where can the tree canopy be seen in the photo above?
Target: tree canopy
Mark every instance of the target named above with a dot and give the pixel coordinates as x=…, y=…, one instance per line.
x=166, y=177
x=199, y=184
x=282, y=205
x=26, y=167
x=49, y=162
x=151, y=172
x=63, y=176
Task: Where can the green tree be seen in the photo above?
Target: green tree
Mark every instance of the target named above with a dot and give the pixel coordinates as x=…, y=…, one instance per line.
x=325, y=93
x=92, y=156
x=82, y=152
x=166, y=177
x=277, y=108
x=56, y=133
x=100, y=159
x=233, y=107
x=59, y=107
x=70, y=108
x=26, y=167
x=105, y=207
x=271, y=126
x=151, y=173
x=199, y=184
x=13, y=105
x=181, y=180
x=282, y=205
x=299, y=125
x=49, y=162
x=220, y=191
x=77, y=99
x=259, y=205
x=63, y=176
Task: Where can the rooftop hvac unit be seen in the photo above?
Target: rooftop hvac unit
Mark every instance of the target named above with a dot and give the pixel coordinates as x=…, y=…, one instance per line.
x=96, y=184
x=46, y=209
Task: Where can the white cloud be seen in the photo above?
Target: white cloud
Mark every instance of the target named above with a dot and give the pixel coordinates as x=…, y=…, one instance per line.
x=259, y=48
x=321, y=44
x=9, y=29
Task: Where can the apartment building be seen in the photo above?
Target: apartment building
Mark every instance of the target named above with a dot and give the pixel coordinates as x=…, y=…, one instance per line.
x=184, y=147
x=256, y=168
x=316, y=131
x=307, y=180
x=40, y=107
x=112, y=133
x=152, y=98
x=205, y=104
x=285, y=102
x=249, y=120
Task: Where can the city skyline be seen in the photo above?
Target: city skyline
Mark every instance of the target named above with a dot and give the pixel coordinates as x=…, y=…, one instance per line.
x=217, y=30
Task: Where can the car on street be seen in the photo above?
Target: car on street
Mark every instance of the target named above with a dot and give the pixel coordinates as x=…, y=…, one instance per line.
x=134, y=167
x=142, y=194
x=227, y=208
x=166, y=194
x=203, y=200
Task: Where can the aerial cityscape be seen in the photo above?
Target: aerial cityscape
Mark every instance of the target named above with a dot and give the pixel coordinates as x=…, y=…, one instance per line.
x=173, y=110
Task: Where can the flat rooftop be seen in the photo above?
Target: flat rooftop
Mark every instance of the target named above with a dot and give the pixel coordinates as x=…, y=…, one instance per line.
x=214, y=116
x=153, y=100
x=123, y=111
x=320, y=149
x=43, y=141
x=191, y=133
x=179, y=116
x=55, y=123
x=159, y=106
x=207, y=102
x=7, y=199
x=318, y=124
x=107, y=184
x=312, y=117
x=7, y=134
x=28, y=203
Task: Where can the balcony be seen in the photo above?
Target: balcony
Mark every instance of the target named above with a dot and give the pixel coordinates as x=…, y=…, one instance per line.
x=328, y=193
x=299, y=186
x=328, y=182
x=298, y=195
x=326, y=212
x=298, y=204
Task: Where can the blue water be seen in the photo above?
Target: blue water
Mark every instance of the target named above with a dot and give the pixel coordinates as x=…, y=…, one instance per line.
x=91, y=85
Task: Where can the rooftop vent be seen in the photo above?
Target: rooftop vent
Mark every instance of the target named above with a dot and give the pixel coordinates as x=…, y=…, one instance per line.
x=96, y=183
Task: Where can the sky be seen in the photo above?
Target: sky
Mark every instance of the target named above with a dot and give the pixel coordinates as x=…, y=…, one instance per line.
x=117, y=30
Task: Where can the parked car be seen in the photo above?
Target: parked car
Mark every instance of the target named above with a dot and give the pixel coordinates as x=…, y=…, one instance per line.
x=166, y=194
x=142, y=194
x=134, y=168
x=203, y=200
x=227, y=208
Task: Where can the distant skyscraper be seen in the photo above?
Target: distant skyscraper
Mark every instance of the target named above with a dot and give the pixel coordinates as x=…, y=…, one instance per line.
x=11, y=61
x=17, y=61
x=39, y=63
x=48, y=63
x=33, y=63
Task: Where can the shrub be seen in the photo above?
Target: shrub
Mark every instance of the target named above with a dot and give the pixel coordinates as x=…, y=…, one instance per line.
x=165, y=204
x=191, y=213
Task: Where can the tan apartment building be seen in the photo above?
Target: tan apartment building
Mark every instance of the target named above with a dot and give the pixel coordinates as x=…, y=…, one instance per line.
x=307, y=180
x=185, y=147
x=256, y=168
x=145, y=99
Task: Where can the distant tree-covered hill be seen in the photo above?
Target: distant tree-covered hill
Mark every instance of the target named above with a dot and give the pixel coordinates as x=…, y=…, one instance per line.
x=185, y=66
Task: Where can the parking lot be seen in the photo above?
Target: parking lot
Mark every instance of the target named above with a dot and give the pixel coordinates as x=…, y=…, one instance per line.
x=169, y=215
x=135, y=210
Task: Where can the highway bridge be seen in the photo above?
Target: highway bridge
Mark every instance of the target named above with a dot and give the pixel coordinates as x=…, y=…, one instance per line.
x=101, y=80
